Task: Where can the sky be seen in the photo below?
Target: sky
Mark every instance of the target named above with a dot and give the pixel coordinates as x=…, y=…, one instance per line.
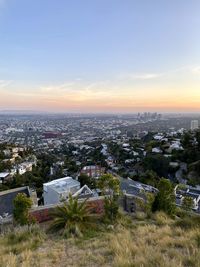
x=100, y=55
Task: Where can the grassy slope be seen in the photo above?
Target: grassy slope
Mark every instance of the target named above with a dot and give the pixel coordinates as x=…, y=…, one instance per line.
x=132, y=243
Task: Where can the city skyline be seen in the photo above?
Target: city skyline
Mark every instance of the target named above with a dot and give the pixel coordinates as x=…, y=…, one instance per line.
x=100, y=56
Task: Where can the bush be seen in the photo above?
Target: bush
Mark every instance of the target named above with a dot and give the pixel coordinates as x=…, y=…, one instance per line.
x=22, y=234
x=188, y=203
x=188, y=222
x=72, y=218
x=198, y=240
x=22, y=204
x=161, y=218
x=165, y=198
x=140, y=215
x=111, y=208
x=181, y=213
x=23, y=238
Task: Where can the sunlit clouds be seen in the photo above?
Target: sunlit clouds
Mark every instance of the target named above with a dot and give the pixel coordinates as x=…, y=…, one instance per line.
x=100, y=56
x=170, y=91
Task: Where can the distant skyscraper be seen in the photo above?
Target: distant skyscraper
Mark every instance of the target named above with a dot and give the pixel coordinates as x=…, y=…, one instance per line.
x=194, y=124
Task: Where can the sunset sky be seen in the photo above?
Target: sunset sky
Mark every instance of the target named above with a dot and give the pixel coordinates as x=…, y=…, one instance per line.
x=100, y=55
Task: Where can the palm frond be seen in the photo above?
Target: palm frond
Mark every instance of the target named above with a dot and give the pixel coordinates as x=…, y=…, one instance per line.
x=72, y=217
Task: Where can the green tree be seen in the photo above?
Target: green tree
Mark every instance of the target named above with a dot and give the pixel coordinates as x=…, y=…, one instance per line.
x=22, y=204
x=85, y=179
x=158, y=164
x=197, y=135
x=149, y=177
x=109, y=184
x=187, y=203
x=71, y=218
x=149, y=200
x=187, y=140
x=165, y=198
x=111, y=208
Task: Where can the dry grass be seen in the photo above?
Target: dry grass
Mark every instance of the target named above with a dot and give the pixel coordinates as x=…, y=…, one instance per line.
x=131, y=244
x=156, y=246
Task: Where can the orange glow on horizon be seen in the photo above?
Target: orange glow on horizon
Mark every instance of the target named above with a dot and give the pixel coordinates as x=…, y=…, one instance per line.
x=102, y=97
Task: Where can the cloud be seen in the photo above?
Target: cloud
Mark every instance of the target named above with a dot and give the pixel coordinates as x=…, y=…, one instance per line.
x=140, y=76
x=184, y=70
x=64, y=87
x=123, y=91
x=196, y=70
x=190, y=69
x=4, y=83
x=77, y=88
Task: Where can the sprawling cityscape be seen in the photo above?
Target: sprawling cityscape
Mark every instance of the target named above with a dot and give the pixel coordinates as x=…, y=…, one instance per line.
x=141, y=147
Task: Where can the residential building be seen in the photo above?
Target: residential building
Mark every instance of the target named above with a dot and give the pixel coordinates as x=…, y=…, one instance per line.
x=85, y=192
x=134, y=192
x=7, y=197
x=93, y=171
x=194, y=125
x=59, y=190
x=4, y=176
x=188, y=191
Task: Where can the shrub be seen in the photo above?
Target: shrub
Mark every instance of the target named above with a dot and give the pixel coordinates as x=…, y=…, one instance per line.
x=72, y=218
x=111, y=208
x=22, y=238
x=140, y=215
x=198, y=240
x=165, y=198
x=181, y=213
x=23, y=233
x=22, y=204
x=161, y=218
x=188, y=222
x=188, y=203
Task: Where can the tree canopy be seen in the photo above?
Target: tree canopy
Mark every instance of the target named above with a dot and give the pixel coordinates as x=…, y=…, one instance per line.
x=165, y=198
x=22, y=204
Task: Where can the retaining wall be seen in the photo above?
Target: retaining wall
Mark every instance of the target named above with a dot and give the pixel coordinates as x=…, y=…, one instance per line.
x=43, y=213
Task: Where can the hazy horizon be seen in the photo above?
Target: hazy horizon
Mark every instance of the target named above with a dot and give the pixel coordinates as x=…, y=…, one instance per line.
x=100, y=56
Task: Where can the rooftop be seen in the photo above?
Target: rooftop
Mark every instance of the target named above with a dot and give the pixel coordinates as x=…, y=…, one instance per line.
x=3, y=174
x=62, y=184
x=7, y=197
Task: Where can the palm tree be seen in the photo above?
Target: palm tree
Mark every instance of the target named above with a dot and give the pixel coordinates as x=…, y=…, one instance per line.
x=71, y=218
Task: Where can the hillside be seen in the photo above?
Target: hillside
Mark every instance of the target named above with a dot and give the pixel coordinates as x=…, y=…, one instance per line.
x=137, y=241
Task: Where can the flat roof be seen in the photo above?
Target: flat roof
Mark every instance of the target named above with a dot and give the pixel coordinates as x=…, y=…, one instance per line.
x=62, y=184
x=4, y=174
x=5, y=192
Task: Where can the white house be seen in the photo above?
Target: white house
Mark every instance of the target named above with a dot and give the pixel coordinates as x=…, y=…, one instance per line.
x=4, y=176
x=59, y=189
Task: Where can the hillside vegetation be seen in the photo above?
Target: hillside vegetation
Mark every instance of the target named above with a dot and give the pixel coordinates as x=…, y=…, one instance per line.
x=131, y=242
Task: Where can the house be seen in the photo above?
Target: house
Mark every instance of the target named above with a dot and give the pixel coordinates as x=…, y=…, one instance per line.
x=58, y=190
x=134, y=192
x=85, y=192
x=188, y=191
x=156, y=150
x=133, y=187
x=176, y=145
x=4, y=176
x=25, y=167
x=158, y=137
x=7, y=197
x=93, y=171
